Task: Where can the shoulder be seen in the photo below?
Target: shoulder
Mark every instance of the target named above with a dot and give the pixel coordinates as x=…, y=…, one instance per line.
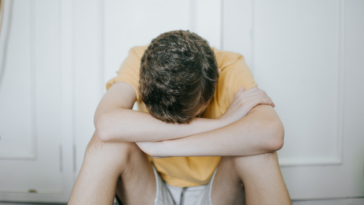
x=129, y=69
x=234, y=74
x=226, y=59
x=233, y=69
x=138, y=51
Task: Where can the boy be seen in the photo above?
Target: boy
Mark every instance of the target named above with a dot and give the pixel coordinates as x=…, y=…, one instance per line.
x=196, y=116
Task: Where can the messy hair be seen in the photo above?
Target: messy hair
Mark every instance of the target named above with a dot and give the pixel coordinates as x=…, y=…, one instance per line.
x=178, y=75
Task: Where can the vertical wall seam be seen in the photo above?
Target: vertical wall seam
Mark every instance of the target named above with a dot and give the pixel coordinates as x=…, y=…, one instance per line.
x=102, y=49
x=252, y=36
x=73, y=79
x=33, y=69
x=222, y=24
x=60, y=158
x=192, y=16
x=74, y=161
x=60, y=70
x=341, y=80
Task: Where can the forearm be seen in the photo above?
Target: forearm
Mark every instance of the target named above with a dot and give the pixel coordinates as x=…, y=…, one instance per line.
x=133, y=126
x=250, y=135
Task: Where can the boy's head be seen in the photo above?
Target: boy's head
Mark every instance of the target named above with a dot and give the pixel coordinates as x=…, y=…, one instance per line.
x=178, y=75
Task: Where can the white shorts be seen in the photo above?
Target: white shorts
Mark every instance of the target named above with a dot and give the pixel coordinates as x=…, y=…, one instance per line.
x=172, y=195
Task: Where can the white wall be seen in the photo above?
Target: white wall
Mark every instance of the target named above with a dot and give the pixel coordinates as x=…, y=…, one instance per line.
x=35, y=108
x=307, y=55
x=303, y=54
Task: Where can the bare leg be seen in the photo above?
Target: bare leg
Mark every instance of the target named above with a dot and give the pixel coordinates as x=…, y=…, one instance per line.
x=253, y=179
x=107, y=169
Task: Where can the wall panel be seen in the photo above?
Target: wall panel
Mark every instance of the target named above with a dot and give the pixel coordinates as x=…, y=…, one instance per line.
x=297, y=61
x=34, y=69
x=237, y=28
x=17, y=83
x=306, y=55
x=88, y=71
x=136, y=23
x=128, y=24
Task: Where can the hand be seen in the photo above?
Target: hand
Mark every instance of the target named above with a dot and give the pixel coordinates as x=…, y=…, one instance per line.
x=243, y=102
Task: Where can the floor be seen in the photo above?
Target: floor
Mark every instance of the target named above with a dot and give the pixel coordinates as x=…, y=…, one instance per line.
x=351, y=201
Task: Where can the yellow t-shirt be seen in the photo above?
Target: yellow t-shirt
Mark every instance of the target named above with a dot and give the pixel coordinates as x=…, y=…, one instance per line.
x=192, y=171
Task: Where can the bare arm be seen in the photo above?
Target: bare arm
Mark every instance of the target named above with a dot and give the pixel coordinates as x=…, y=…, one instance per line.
x=115, y=121
x=254, y=130
x=261, y=131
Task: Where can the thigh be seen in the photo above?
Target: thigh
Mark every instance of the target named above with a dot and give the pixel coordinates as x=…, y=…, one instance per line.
x=137, y=184
x=113, y=167
x=227, y=188
x=262, y=179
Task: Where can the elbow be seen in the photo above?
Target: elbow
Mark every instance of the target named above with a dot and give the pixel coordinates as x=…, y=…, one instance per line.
x=102, y=129
x=108, y=129
x=102, y=135
x=276, y=136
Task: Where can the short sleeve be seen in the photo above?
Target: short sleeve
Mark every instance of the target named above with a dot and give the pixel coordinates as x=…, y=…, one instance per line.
x=232, y=78
x=129, y=70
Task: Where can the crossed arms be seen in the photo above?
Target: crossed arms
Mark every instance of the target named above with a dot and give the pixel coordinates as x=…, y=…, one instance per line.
x=250, y=126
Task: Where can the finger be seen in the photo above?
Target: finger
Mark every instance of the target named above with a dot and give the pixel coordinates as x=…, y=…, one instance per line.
x=242, y=89
x=258, y=92
x=239, y=92
x=255, y=100
x=270, y=99
x=251, y=93
x=253, y=89
x=262, y=101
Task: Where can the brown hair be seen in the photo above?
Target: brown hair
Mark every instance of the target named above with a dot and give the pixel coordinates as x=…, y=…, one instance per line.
x=178, y=75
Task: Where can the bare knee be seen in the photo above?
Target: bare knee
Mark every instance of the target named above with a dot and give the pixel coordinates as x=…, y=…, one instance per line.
x=256, y=158
x=96, y=144
x=117, y=153
x=248, y=164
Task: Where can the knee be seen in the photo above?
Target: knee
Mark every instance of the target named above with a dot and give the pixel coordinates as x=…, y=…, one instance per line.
x=120, y=151
x=270, y=157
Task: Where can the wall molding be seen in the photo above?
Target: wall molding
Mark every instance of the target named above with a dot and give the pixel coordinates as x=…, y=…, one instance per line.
x=285, y=162
x=65, y=68
x=341, y=80
x=245, y=12
x=33, y=71
x=32, y=155
x=338, y=156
